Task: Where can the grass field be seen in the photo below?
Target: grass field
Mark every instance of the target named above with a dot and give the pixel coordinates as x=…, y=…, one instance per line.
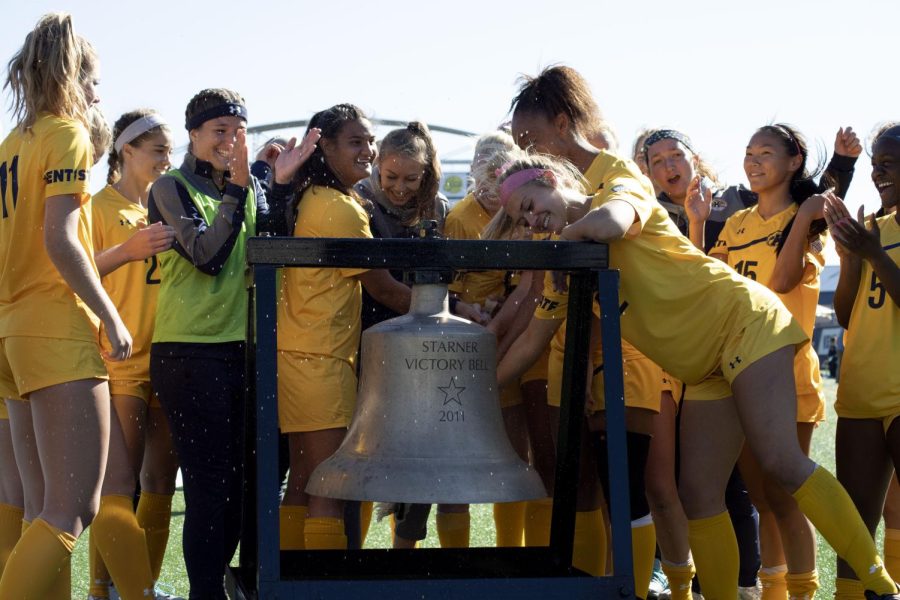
x=482, y=527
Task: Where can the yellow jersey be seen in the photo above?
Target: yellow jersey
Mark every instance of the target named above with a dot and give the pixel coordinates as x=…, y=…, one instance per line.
x=54, y=158
x=465, y=221
x=681, y=306
x=319, y=311
x=598, y=179
x=870, y=381
x=133, y=287
x=747, y=243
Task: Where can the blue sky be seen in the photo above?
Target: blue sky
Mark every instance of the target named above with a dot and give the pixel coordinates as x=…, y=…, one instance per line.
x=716, y=70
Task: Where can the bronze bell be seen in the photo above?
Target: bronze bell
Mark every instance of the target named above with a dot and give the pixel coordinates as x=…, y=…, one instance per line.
x=427, y=426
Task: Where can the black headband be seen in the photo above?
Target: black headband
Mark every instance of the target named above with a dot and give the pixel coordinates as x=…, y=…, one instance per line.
x=666, y=134
x=226, y=109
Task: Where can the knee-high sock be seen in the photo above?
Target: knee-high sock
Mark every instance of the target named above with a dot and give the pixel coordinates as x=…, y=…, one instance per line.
x=892, y=552
x=643, y=553
x=715, y=552
x=99, y=587
x=828, y=506
x=10, y=531
x=680, y=578
x=802, y=586
x=538, y=514
x=154, y=513
x=774, y=584
x=61, y=587
x=292, y=520
x=324, y=533
x=123, y=546
x=848, y=589
x=590, y=546
x=509, y=521
x=365, y=520
x=38, y=560
x=453, y=529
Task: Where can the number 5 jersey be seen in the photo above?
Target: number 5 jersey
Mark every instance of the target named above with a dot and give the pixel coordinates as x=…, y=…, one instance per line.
x=870, y=379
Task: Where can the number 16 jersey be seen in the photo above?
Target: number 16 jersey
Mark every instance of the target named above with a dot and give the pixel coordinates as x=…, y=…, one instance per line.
x=133, y=287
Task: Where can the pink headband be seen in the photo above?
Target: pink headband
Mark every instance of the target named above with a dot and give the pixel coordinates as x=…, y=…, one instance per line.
x=520, y=178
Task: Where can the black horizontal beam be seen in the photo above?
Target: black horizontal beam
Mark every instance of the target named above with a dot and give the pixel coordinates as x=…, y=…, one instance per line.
x=426, y=254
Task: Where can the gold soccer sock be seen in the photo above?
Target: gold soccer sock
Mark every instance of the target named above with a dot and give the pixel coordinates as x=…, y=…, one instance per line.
x=715, y=551
x=10, y=531
x=97, y=568
x=154, y=513
x=365, y=520
x=324, y=533
x=802, y=586
x=38, y=560
x=61, y=588
x=848, y=589
x=509, y=521
x=892, y=552
x=643, y=553
x=589, y=548
x=292, y=518
x=680, y=578
x=453, y=529
x=826, y=504
x=538, y=514
x=123, y=546
x=774, y=585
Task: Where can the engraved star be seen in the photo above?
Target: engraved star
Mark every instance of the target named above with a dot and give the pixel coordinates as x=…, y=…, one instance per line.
x=451, y=392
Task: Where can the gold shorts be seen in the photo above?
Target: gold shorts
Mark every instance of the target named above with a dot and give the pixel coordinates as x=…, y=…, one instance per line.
x=137, y=389
x=315, y=392
x=34, y=363
x=674, y=387
x=642, y=380
x=764, y=334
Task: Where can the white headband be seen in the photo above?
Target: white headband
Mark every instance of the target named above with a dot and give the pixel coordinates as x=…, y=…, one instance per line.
x=138, y=128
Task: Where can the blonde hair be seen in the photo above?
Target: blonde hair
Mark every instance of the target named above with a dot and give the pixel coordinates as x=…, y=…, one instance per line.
x=567, y=175
x=101, y=134
x=49, y=72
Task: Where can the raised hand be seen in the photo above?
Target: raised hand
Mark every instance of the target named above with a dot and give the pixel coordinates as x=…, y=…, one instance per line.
x=698, y=201
x=856, y=237
x=269, y=153
x=239, y=165
x=293, y=156
x=846, y=143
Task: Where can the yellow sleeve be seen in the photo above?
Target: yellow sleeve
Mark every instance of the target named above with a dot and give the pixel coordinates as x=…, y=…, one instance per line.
x=67, y=162
x=554, y=305
x=347, y=220
x=623, y=182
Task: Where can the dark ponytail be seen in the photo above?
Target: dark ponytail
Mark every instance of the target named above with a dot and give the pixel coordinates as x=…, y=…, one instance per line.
x=803, y=183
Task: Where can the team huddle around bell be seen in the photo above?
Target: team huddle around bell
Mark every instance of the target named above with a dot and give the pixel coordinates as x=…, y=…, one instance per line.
x=124, y=334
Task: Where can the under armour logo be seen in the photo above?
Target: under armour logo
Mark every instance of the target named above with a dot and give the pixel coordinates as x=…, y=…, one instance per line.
x=124, y=222
x=740, y=231
x=737, y=361
x=233, y=109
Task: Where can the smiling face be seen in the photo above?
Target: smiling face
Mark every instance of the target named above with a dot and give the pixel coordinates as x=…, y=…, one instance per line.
x=150, y=158
x=400, y=177
x=886, y=170
x=672, y=167
x=351, y=152
x=214, y=140
x=767, y=162
x=539, y=207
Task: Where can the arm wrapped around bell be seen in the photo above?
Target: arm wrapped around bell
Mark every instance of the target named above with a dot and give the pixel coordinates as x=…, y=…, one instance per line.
x=427, y=426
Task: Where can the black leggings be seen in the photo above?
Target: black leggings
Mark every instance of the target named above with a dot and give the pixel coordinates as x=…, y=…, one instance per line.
x=638, y=445
x=201, y=389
